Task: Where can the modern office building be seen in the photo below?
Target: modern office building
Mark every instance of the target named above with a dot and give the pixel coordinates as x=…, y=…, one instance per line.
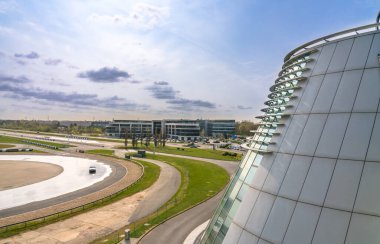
x=312, y=170
x=179, y=129
x=217, y=128
x=139, y=128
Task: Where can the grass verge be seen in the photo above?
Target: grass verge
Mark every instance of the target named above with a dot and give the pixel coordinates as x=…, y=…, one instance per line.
x=151, y=174
x=199, y=182
x=6, y=146
x=104, y=152
x=192, y=152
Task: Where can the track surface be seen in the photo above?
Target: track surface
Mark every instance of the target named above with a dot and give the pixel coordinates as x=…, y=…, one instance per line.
x=118, y=172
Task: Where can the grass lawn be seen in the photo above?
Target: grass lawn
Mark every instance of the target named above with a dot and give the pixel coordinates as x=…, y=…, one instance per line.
x=199, y=181
x=9, y=139
x=192, y=152
x=6, y=146
x=104, y=152
x=151, y=174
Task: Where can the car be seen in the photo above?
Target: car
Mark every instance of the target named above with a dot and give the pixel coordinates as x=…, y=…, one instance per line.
x=92, y=170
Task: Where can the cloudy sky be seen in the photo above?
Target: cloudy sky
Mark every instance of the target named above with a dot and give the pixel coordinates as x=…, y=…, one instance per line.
x=85, y=60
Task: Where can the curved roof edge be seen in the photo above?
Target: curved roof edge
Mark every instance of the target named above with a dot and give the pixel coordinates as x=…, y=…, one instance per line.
x=333, y=37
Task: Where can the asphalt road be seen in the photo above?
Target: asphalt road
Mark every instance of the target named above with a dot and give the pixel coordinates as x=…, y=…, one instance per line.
x=175, y=230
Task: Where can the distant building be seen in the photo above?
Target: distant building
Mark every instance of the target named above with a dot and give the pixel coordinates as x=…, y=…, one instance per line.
x=179, y=129
x=100, y=123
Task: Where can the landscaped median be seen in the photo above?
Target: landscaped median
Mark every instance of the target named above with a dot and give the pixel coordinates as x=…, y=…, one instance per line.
x=199, y=182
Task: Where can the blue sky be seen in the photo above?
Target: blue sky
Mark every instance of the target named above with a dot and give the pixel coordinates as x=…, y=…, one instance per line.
x=85, y=60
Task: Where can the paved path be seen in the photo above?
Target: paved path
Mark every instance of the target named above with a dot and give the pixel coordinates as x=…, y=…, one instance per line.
x=175, y=230
x=97, y=223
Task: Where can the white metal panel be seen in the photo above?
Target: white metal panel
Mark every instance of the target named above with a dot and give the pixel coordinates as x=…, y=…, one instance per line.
x=324, y=59
x=374, y=145
x=344, y=185
x=326, y=93
x=246, y=206
x=332, y=227
x=339, y=59
x=369, y=91
x=302, y=225
x=359, y=52
x=295, y=177
x=310, y=93
x=248, y=238
x=293, y=134
x=317, y=181
x=275, y=227
x=373, y=60
x=260, y=213
x=233, y=234
x=277, y=173
x=332, y=135
x=346, y=93
x=356, y=140
x=364, y=229
x=368, y=199
x=311, y=134
x=262, y=171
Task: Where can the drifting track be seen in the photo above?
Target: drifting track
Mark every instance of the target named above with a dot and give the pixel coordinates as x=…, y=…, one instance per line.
x=115, y=180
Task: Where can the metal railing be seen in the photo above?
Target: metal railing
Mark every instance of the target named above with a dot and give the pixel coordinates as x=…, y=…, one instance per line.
x=333, y=37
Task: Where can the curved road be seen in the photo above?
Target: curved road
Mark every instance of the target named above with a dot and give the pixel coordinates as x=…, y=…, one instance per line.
x=175, y=230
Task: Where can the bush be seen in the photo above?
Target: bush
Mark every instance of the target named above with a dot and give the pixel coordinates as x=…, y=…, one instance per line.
x=229, y=154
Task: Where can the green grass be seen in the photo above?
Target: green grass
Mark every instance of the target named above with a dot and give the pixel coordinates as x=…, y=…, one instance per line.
x=192, y=152
x=104, y=152
x=6, y=146
x=151, y=174
x=16, y=140
x=199, y=181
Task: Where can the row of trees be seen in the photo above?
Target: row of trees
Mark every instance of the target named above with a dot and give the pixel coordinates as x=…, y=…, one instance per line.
x=244, y=127
x=52, y=127
x=158, y=140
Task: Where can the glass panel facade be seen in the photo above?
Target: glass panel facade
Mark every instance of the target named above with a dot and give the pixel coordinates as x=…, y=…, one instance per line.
x=289, y=79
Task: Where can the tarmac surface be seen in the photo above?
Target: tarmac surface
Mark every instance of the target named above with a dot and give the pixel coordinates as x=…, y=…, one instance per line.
x=75, y=176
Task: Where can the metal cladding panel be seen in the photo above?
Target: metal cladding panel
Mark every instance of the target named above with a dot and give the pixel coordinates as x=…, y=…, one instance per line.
x=312, y=172
x=339, y=59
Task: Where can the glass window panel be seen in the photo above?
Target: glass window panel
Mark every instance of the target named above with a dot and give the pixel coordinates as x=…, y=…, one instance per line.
x=242, y=192
x=251, y=174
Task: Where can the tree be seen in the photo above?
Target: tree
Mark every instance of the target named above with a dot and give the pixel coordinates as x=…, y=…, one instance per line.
x=126, y=138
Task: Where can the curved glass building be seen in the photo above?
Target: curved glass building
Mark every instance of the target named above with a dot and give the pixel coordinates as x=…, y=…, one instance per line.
x=312, y=171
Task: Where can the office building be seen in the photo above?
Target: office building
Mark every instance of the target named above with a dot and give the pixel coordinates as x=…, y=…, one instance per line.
x=179, y=129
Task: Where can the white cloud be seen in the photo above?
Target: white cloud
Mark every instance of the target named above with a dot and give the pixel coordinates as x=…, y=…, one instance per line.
x=142, y=16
